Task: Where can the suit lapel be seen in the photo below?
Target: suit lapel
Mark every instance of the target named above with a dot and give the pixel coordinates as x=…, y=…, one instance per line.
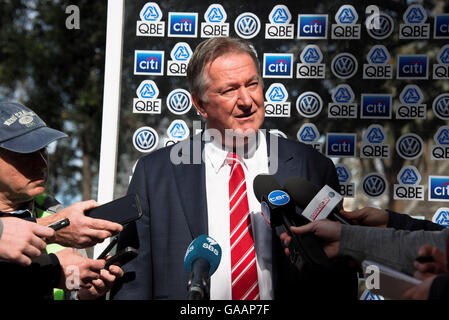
x=190, y=181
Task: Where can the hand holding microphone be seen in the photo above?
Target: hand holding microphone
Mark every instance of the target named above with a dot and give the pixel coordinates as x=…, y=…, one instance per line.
x=201, y=260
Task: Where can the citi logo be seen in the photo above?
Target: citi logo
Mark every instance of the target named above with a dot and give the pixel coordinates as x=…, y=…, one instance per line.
x=441, y=26
x=277, y=65
x=312, y=26
x=412, y=67
x=149, y=62
x=341, y=145
x=376, y=106
x=438, y=188
x=182, y=24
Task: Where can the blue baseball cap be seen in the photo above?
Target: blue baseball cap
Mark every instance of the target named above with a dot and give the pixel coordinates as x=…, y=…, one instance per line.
x=22, y=131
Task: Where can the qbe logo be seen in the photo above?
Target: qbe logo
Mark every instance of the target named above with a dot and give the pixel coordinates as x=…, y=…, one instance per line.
x=409, y=146
x=440, y=151
x=279, y=26
x=438, y=188
x=379, y=25
x=178, y=130
x=149, y=62
x=247, y=25
x=312, y=26
x=372, y=145
x=277, y=65
x=415, y=27
x=179, y=102
x=378, y=66
x=145, y=139
x=408, y=187
x=276, y=104
x=413, y=67
x=411, y=106
x=440, y=106
x=441, y=69
x=344, y=65
x=343, y=106
x=183, y=24
x=341, y=145
x=147, y=101
x=180, y=56
x=309, y=134
x=346, y=27
x=347, y=189
x=311, y=66
x=215, y=25
x=309, y=104
x=441, y=26
x=376, y=106
x=150, y=24
x=441, y=217
x=374, y=185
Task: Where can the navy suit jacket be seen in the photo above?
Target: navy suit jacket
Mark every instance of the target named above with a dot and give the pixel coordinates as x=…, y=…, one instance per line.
x=175, y=212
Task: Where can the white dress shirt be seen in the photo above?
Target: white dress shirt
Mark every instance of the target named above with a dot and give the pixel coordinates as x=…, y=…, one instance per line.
x=217, y=191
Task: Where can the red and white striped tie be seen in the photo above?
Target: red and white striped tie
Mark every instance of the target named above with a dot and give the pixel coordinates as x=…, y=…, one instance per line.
x=243, y=254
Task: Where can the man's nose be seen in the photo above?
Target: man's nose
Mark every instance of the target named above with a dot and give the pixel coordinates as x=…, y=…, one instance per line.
x=244, y=98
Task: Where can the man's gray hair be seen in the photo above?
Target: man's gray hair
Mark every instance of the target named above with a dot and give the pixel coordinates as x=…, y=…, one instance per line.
x=209, y=50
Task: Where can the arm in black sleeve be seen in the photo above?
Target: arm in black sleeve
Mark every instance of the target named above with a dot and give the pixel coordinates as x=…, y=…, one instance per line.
x=439, y=290
x=402, y=221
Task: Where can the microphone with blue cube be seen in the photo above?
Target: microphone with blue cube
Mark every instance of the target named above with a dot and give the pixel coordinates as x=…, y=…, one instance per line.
x=202, y=259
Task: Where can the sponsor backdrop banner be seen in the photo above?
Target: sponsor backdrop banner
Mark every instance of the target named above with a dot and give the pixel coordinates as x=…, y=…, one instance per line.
x=363, y=82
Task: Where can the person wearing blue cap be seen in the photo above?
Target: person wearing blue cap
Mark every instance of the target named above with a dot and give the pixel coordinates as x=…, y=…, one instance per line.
x=23, y=174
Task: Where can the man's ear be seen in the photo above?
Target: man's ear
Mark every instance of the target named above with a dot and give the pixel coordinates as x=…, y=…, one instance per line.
x=199, y=105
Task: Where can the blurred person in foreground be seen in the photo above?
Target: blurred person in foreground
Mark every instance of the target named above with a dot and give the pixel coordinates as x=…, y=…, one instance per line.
x=27, y=272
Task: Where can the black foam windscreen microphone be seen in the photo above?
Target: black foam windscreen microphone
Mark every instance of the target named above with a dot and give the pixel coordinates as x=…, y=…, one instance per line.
x=317, y=203
x=279, y=210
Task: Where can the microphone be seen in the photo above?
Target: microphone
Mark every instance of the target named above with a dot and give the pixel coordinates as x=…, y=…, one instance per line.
x=279, y=210
x=201, y=260
x=318, y=204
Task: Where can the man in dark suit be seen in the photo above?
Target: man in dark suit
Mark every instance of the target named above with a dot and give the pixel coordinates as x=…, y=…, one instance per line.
x=191, y=189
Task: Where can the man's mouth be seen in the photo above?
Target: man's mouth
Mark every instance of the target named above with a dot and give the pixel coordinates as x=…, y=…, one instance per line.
x=245, y=115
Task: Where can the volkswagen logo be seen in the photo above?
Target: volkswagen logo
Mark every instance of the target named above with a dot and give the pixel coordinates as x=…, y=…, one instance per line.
x=344, y=65
x=374, y=185
x=145, y=139
x=178, y=101
x=379, y=26
x=409, y=146
x=441, y=106
x=309, y=104
x=247, y=25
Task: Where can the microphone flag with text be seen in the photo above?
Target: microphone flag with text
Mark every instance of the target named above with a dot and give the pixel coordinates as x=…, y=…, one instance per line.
x=279, y=210
x=202, y=259
x=317, y=203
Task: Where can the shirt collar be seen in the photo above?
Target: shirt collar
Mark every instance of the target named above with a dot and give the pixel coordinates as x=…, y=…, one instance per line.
x=26, y=210
x=216, y=153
